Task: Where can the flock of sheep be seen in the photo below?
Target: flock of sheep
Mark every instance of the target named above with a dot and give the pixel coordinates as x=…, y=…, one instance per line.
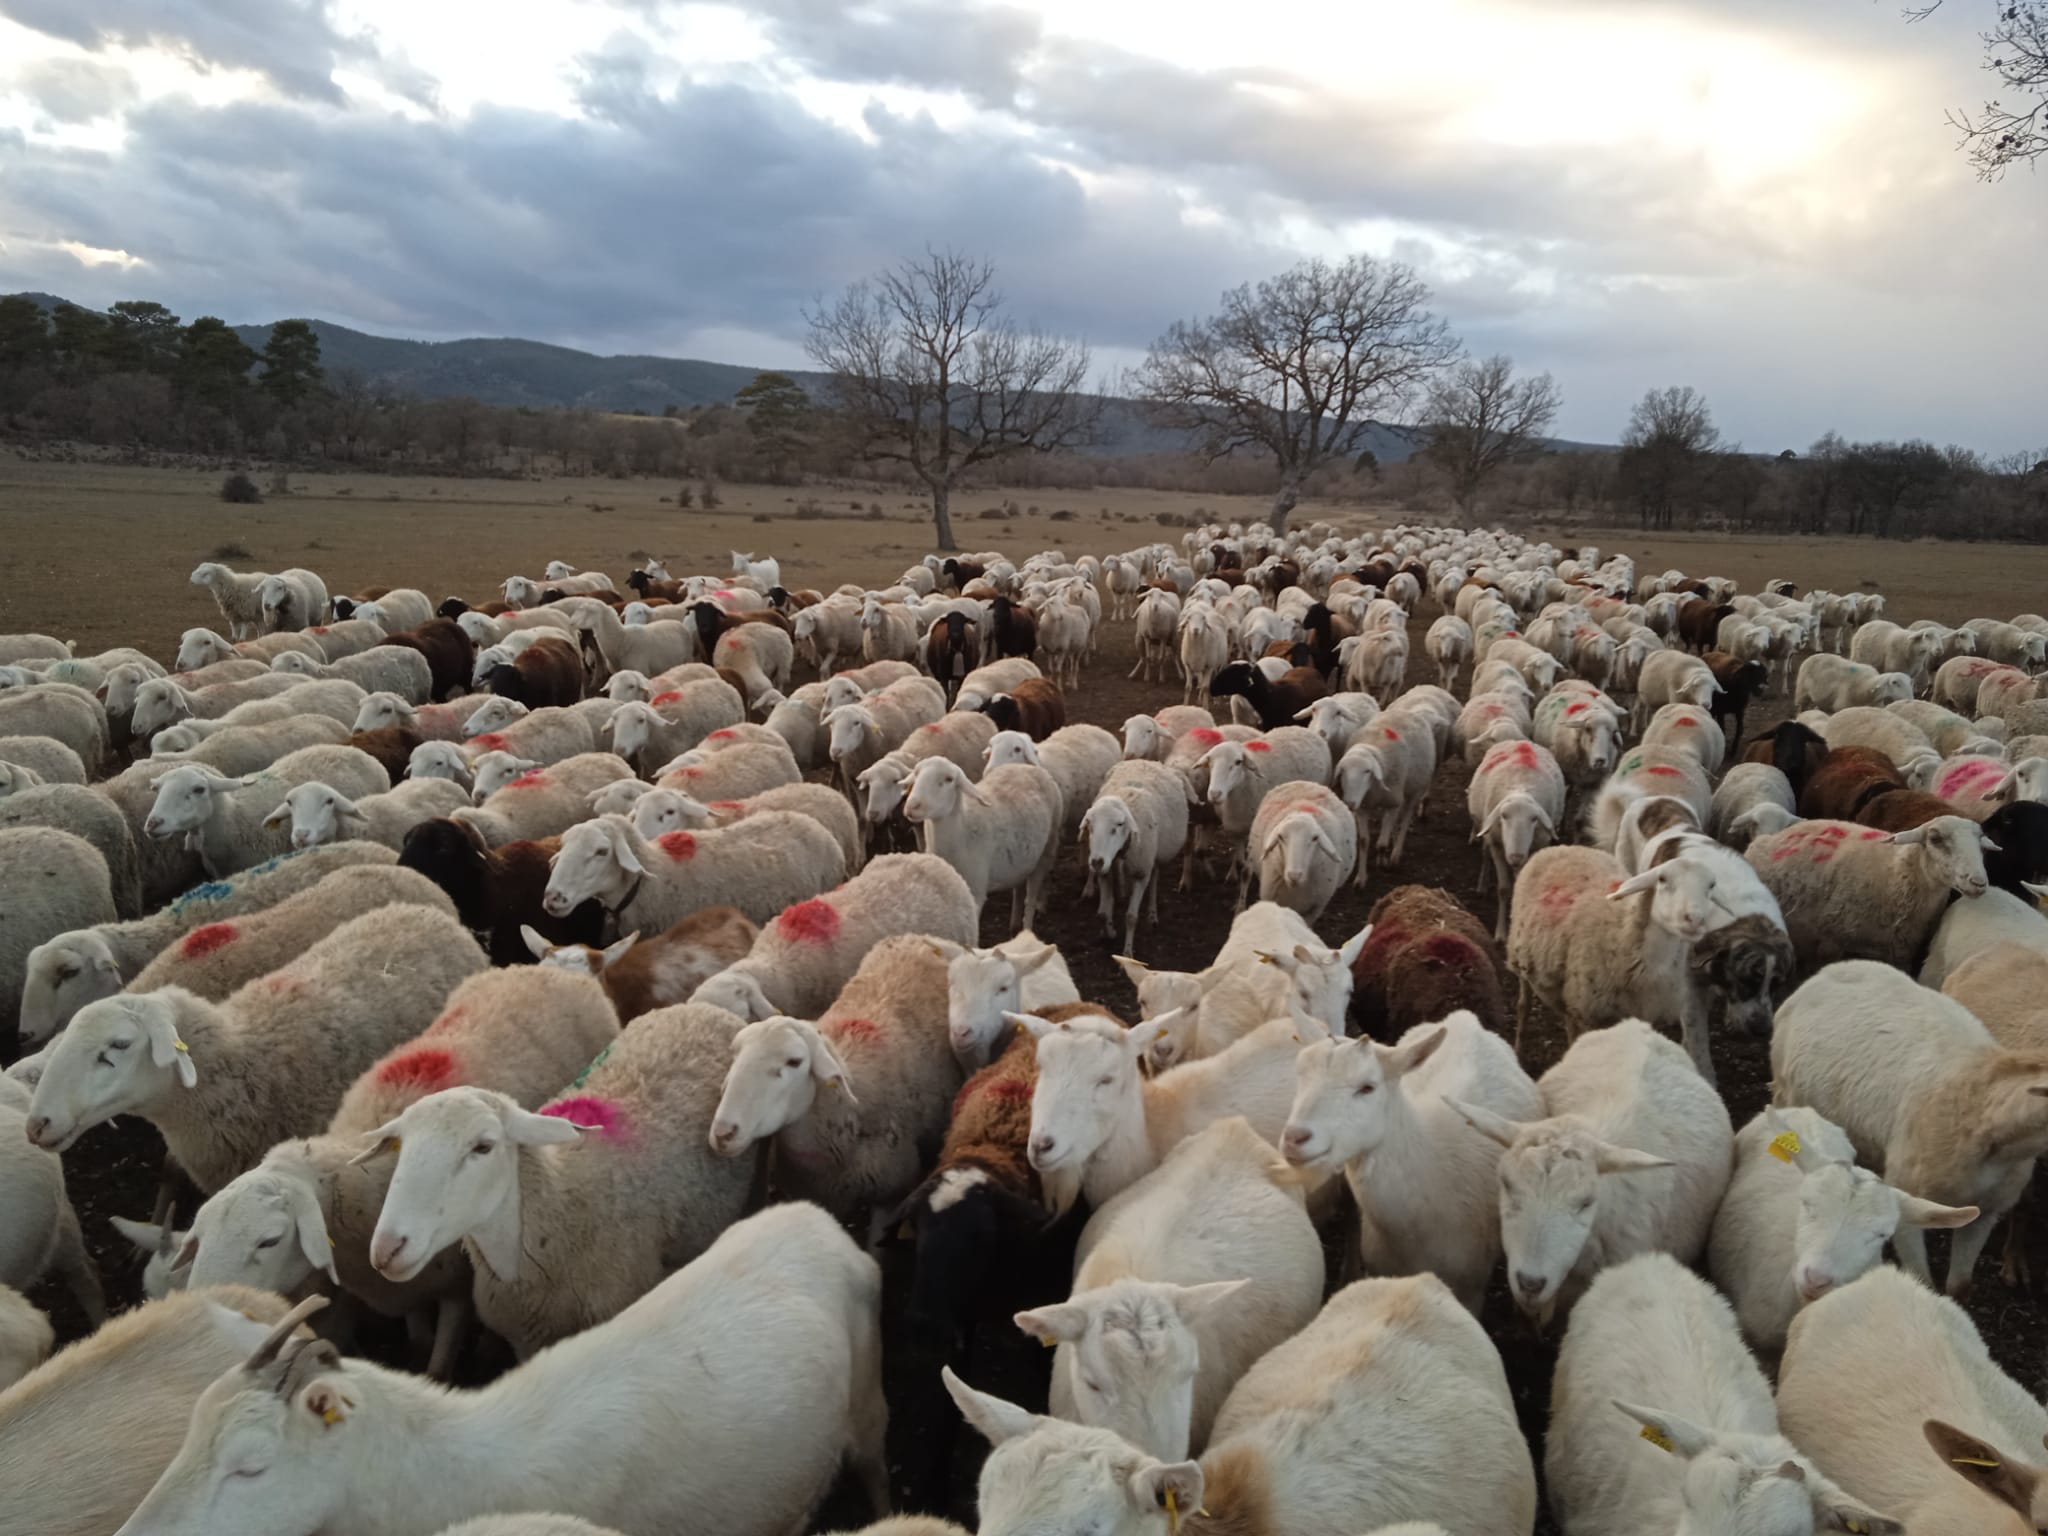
x=281, y=898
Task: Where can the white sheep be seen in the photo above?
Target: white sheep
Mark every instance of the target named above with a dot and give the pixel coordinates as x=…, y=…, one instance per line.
x=1422, y=1176
x=960, y=736
x=74, y=719
x=1204, y=642
x=1688, y=730
x=1516, y=802
x=759, y=864
x=236, y=593
x=396, y=611
x=1849, y=891
x=382, y=669
x=1136, y=826
x=992, y=678
x=1387, y=1363
x=1673, y=677
x=800, y=961
x=39, y=1231
x=1646, y=772
x=772, y=1338
x=1957, y=1455
x=441, y=760
x=1921, y=1088
x=434, y=722
x=318, y=814
x=1883, y=731
x=1181, y=1283
x=1449, y=643
x=657, y=812
x=615, y=1181
x=1743, y=789
x=1832, y=683
x=26, y=1337
x=985, y=986
x=310, y=1207
x=1304, y=845
x=539, y=801
x=859, y=734
x=1002, y=834
x=1632, y=1158
x=1079, y=758
x=737, y=772
x=55, y=883
x=1660, y=1420
x=544, y=736
x=292, y=599
x=1152, y=737
x=226, y=1081
x=48, y=760
x=226, y=821
x=1800, y=1219
x=239, y=749
x=1582, y=728
x=760, y=655
x=1385, y=772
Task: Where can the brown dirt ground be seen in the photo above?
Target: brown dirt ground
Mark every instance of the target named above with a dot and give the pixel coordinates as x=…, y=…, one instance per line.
x=103, y=554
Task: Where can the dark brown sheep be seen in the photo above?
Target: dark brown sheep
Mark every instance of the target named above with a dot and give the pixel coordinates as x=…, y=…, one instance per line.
x=547, y=674
x=1699, y=622
x=1740, y=681
x=1035, y=706
x=1012, y=629
x=957, y=573
x=652, y=589
x=1426, y=957
x=641, y=975
x=391, y=745
x=1325, y=632
x=1848, y=779
x=449, y=653
x=952, y=650
x=1793, y=749
x=783, y=600
x=497, y=891
x=1277, y=701
x=1901, y=810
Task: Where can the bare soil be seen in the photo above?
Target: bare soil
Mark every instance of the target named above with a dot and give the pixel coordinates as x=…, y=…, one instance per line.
x=103, y=554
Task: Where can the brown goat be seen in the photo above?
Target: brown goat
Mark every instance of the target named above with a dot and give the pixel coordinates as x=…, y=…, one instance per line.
x=1848, y=779
x=547, y=674
x=1426, y=957
x=1035, y=707
x=391, y=745
x=641, y=975
x=449, y=653
x=650, y=589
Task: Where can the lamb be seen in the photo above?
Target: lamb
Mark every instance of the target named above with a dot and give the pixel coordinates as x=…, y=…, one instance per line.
x=771, y=1336
x=1079, y=758
x=497, y=891
x=541, y=801
x=641, y=976
x=1180, y=1284
x=616, y=1178
x=382, y=669
x=1424, y=958
x=1848, y=891
x=1386, y=1362
x=75, y=968
x=1035, y=707
x=882, y=1053
x=1920, y=1087
x=860, y=734
x=48, y=759
x=55, y=883
x=74, y=720
x=310, y=1207
x=1002, y=834
x=1516, y=802
x=318, y=814
x=1633, y=1158
x=1660, y=1420
x=985, y=986
x=655, y=812
x=813, y=949
x=226, y=821
x=761, y=865
x=292, y=599
x=235, y=593
x=39, y=1231
x=1733, y=816
x=1304, y=845
x=1956, y=1455
x=26, y=1337
x=1133, y=830
x=87, y=815
x=1595, y=966
x=1423, y=1178
x=1830, y=683
x=136, y=1379
x=1800, y=1219
x=277, y=1054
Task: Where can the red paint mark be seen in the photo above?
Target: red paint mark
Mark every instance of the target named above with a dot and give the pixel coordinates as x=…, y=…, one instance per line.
x=317, y=629
x=1390, y=733
x=987, y=1084
x=1977, y=770
x=1686, y=720
x=1557, y=899
x=426, y=1068
x=1576, y=709
x=1660, y=771
x=1873, y=836
x=932, y=727
x=1205, y=735
x=677, y=845
x=598, y=1117
x=855, y=1031
x=1823, y=856
x=1305, y=805
x=666, y=698
x=1613, y=886
x=724, y=733
x=1449, y=949
x=204, y=941
x=809, y=922
x=722, y=594
x=533, y=778
x=1258, y=746
x=490, y=741
x=1525, y=754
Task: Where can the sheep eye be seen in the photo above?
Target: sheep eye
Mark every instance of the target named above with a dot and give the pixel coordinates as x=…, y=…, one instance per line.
x=270, y=1242
x=794, y=1061
x=119, y=1045
x=1365, y=1088
x=253, y=1472
x=68, y=973
x=1105, y=1082
x=483, y=1149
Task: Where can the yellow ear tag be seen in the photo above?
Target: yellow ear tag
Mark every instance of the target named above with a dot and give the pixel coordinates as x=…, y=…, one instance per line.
x=1172, y=1513
x=1658, y=1438
x=179, y=1045
x=1855, y=1528
x=1785, y=1147
x=330, y=1416
x=391, y=1144
x=1974, y=1461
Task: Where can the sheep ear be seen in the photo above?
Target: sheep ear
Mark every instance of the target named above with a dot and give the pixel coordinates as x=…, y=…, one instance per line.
x=1062, y=1323
x=1193, y=1302
x=311, y=1226
x=1915, y=1212
x=1837, y=1514
x=535, y=1130
x=1635, y=885
x=1135, y=971
x=1174, y=1488
x=536, y=945
x=1609, y=1158
x=629, y=861
x=1490, y=1125
x=975, y=792
x=1347, y=955
x=1982, y=1465
x=1667, y=1431
x=827, y=1068
x=614, y=953
x=165, y=1048
x=1024, y=965
x=1286, y=962
x=1910, y=835
x=1030, y=1023
x=996, y=1419
x=280, y=816
x=1140, y=1041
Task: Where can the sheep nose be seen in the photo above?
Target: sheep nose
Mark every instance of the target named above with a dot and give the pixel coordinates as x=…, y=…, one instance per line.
x=1813, y=1284
x=1530, y=1286
x=37, y=1129
x=723, y=1134
x=1294, y=1146
x=1043, y=1147
x=154, y=826
x=385, y=1251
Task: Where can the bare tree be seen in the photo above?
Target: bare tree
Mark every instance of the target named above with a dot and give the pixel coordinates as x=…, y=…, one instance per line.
x=926, y=371
x=2016, y=55
x=1480, y=417
x=1299, y=367
x=1665, y=453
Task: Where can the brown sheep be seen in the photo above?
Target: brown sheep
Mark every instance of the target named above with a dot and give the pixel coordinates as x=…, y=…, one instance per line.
x=958, y=573
x=1426, y=957
x=650, y=589
x=391, y=745
x=449, y=653
x=783, y=600
x=1035, y=707
x=497, y=891
x=1699, y=622
x=346, y=606
x=641, y=975
x=1739, y=681
x=1901, y=810
x=1847, y=779
x=1276, y=702
x=547, y=674
x=1012, y=628
x=1793, y=749
x=952, y=650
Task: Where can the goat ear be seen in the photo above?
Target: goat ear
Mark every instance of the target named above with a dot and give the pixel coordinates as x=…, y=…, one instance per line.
x=1609, y=1158
x=996, y=1419
x=612, y=954
x=1174, y=1488
x=325, y=1401
x=1347, y=954
x=1915, y=1212
x=1490, y=1125
x=1396, y=1061
x=1635, y=885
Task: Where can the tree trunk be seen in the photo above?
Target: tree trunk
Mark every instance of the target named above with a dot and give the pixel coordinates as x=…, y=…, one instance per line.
x=1283, y=505
x=942, y=518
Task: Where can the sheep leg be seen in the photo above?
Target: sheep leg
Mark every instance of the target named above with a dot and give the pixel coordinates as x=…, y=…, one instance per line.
x=1105, y=900
x=1692, y=1030
x=1403, y=819
x=1963, y=1251
x=1143, y=657
x=1139, y=887
x=75, y=1267
x=1522, y=1012
x=2016, y=1270
x=1364, y=850
x=451, y=1322
x=1910, y=1244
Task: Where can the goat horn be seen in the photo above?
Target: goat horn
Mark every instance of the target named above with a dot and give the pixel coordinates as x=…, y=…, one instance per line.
x=267, y=1351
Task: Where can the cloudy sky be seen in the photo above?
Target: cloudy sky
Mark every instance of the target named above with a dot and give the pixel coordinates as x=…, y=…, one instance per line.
x=1756, y=197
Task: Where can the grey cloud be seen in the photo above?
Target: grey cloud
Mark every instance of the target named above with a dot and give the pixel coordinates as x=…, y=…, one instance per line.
x=76, y=90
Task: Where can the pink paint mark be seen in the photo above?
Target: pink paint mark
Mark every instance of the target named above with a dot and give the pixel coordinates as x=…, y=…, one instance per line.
x=1206, y=736
x=666, y=698
x=1823, y=856
x=809, y=922
x=1685, y=720
x=204, y=941
x=722, y=593
x=1978, y=770
x=1660, y=771
x=598, y=1117
x=533, y=778
x=854, y=1031
x=426, y=1069
x=724, y=733
x=317, y=629
x=1305, y=805
x=1613, y=886
x=1258, y=746
x=490, y=741
x=677, y=845
x=284, y=984
x=932, y=727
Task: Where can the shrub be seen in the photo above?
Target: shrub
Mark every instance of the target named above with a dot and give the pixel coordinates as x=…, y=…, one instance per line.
x=234, y=549
x=874, y=511
x=239, y=488
x=1063, y=516
x=762, y=517
x=855, y=504
x=685, y=498
x=809, y=511
x=708, y=495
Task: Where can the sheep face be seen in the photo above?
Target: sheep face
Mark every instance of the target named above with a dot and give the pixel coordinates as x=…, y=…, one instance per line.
x=937, y=790
x=1340, y=1097
x=439, y=760
x=64, y=975
x=277, y=599
x=265, y=1230
x=295, y=662
x=1319, y=978
x=849, y=729
x=492, y=715
x=1048, y=1475
x=1229, y=769
x=14, y=779
x=633, y=727
x=778, y=1067
x=494, y=770
x=198, y=648
x=1133, y=1356
x=1087, y=1085
x=1520, y=825
x=1550, y=1184
x=883, y=787
x=384, y=709
x=158, y=703
x=1144, y=739
x=317, y=815
x=982, y=986
x=1953, y=848
x=456, y=1176
x=481, y=628
x=1846, y=1216
x=1360, y=771
x=629, y=687
x=655, y=811
x=596, y=862
x=1007, y=747
x=1107, y=829
x=488, y=660
x=737, y=994
x=116, y=1057
x=522, y=592
x=1681, y=900
x=840, y=692
x=186, y=800
x=1297, y=840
